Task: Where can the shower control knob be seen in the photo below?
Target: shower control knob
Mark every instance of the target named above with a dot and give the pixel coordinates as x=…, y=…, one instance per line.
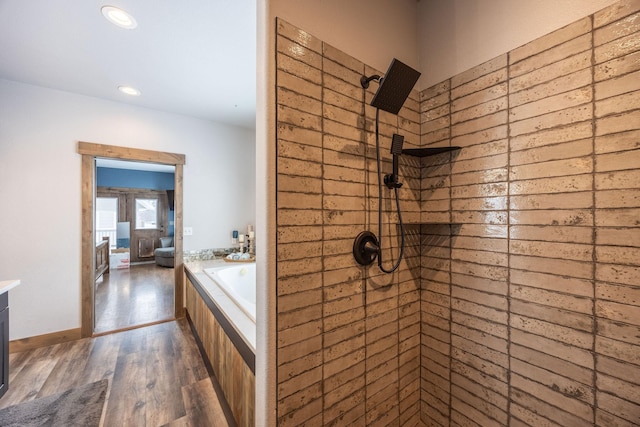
x=365, y=248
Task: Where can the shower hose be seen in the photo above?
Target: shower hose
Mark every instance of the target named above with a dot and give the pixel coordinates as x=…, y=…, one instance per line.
x=397, y=264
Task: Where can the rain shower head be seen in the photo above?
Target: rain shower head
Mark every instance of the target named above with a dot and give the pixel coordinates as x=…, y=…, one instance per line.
x=395, y=87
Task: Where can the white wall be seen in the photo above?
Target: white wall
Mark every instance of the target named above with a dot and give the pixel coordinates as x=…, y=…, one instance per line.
x=456, y=35
x=40, y=189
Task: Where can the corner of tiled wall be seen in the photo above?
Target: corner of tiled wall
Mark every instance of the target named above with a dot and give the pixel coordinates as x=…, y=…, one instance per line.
x=530, y=312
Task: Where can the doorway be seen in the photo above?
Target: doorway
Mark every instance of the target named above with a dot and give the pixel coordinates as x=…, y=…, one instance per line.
x=134, y=213
x=90, y=152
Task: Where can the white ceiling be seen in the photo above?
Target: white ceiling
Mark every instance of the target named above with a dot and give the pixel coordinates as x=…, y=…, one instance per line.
x=195, y=57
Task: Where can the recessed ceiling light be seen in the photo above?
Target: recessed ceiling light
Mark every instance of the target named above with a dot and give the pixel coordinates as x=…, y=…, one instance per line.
x=119, y=17
x=129, y=90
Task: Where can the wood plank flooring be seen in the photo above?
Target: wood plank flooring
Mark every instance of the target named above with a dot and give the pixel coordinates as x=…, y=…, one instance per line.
x=156, y=374
x=137, y=295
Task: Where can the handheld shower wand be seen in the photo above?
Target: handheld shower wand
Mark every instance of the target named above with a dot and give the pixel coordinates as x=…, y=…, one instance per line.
x=391, y=180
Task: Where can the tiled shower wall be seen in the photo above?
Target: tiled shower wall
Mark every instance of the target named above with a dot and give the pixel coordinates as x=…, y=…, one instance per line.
x=526, y=256
x=530, y=300
x=348, y=337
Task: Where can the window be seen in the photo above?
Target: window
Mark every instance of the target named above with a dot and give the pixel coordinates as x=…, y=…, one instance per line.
x=106, y=219
x=146, y=214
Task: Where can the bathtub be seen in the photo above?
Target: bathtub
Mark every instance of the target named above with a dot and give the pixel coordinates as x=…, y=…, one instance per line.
x=220, y=303
x=238, y=281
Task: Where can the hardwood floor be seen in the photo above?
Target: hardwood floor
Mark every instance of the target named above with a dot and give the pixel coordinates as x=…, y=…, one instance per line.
x=156, y=375
x=138, y=295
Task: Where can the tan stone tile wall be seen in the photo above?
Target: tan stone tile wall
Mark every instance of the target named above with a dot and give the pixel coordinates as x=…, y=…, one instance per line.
x=530, y=301
x=348, y=336
x=517, y=301
x=616, y=39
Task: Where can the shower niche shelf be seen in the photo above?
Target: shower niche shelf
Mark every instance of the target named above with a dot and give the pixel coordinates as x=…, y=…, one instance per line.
x=424, y=152
x=432, y=223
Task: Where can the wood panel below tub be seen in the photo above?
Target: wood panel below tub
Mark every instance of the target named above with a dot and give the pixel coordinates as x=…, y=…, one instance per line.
x=234, y=375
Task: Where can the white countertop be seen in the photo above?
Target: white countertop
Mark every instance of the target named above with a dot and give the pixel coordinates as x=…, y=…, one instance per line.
x=6, y=285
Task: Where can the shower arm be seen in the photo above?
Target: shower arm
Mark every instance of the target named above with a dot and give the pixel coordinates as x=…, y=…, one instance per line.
x=364, y=80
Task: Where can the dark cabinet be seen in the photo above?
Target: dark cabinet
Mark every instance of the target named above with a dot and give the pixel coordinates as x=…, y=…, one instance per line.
x=4, y=343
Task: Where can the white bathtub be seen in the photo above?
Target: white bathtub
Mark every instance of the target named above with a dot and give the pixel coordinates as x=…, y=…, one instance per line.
x=238, y=281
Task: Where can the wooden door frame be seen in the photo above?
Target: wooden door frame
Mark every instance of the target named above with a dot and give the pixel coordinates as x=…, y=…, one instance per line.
x=89, y=152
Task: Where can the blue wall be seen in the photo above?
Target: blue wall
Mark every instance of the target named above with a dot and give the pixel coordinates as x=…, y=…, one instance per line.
x=127, y=178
